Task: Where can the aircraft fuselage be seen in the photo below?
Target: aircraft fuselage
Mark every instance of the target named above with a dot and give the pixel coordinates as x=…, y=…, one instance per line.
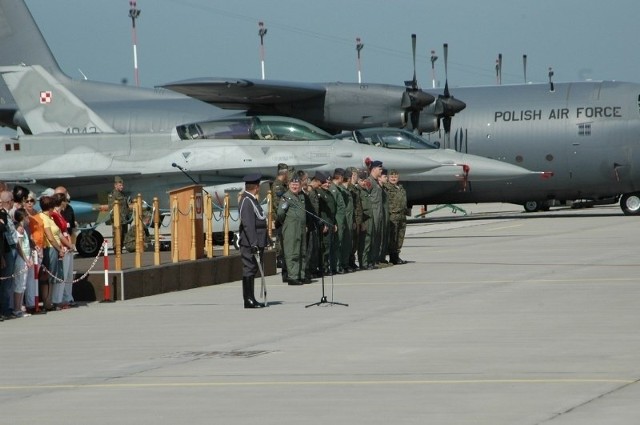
x=587, y=134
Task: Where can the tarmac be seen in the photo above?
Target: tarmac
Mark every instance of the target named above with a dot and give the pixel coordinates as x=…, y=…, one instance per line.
x=500, y=317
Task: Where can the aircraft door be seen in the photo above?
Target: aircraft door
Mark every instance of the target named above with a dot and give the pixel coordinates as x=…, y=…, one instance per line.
x=595, y=161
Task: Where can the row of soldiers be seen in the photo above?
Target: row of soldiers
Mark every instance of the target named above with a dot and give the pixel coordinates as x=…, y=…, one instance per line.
x=329, y=221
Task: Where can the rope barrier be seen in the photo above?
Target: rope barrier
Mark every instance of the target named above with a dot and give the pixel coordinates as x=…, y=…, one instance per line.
x=181, y=213
x=58, y=280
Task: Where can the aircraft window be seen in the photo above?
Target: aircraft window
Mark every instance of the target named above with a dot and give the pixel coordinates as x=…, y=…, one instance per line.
x=284, y=130
x=396, y=139
x=229, y=129
x=189, y=131
x=584, y=129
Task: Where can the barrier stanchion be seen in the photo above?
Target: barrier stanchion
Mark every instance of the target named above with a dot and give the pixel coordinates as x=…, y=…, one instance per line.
x=192, y=219
x=117, y=235
x=137, y=223
x=225, y=249
x=208, y=228
x=269, y=215
x=174, y=234
x=106, y=297
x=156, y=231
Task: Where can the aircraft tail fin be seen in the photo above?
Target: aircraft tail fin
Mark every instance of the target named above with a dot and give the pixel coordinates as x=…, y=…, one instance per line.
x=21, y=41
x=47, y=106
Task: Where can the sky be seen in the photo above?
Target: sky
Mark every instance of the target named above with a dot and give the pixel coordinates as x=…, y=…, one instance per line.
x=315, y=41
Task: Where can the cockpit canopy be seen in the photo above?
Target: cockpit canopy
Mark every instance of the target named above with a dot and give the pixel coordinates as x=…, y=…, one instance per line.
x=392, y=138
x=256, y=128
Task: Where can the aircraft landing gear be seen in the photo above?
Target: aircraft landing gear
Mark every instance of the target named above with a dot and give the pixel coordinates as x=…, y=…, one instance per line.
x=630, y=203
x=89, y=243
x=534, y=206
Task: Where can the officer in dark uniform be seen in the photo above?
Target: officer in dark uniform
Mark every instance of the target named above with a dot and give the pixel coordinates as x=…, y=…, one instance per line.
x=253, y=237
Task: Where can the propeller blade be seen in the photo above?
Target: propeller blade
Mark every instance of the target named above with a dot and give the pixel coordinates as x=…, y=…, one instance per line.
x=446, y=121
x=413, y=49
x=445, y=47
x=413, y=98
x=446, y=105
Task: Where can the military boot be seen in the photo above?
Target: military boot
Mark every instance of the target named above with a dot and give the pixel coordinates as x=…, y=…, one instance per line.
x=247, y=293
x=252, y=297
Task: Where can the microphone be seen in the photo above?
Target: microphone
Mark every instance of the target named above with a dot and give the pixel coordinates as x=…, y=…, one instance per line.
x=174, y=165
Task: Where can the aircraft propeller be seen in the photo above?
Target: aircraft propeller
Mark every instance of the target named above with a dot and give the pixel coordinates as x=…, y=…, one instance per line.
x=413, y=98
x=446, y=105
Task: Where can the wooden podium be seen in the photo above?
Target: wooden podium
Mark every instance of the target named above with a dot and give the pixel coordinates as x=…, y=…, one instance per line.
x=187, y=234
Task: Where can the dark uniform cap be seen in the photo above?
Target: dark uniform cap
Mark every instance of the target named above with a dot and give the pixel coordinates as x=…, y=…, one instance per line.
x=118, y=179
x=338, y=172
x=375, y=164
x=282, y=168
x=252, y=178
x=294, y=178
x=319, y=175
x=393, y=173
x=350, y=170
x=362, y=174
x=384, y=172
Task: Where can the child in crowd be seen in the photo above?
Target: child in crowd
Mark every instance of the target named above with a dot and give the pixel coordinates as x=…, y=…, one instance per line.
x=23, y=269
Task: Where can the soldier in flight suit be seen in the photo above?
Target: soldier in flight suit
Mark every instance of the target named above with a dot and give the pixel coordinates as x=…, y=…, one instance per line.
x=253, y=237
x=278, y=188
x=339, y=195
x=292, y=215
x=314, y=257
x=328, y=215
x=377, y=208
x=365, y=231
x=382, y=254
x=398, y=212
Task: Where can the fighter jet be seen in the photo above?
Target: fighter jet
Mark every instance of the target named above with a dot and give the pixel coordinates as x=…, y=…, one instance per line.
x=208, y=152
x=215, y=151
x=584, y=133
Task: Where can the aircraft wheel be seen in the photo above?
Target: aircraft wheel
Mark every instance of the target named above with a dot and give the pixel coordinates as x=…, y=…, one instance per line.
x=532, y=206
x=89, y=243
x=630, y=203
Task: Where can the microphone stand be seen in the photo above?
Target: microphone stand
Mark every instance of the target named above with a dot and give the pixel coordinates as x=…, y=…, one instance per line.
x=323, y=299
x=174, y=165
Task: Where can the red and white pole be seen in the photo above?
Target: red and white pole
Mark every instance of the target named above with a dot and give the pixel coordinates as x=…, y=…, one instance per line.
x=134, y=13
x=107, y=288
x=36, y=274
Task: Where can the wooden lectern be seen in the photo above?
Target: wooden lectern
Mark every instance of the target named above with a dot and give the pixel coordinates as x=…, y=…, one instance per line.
x=188, y=244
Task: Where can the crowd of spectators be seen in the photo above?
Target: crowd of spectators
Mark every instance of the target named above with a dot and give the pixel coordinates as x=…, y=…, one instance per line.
x=36, y=251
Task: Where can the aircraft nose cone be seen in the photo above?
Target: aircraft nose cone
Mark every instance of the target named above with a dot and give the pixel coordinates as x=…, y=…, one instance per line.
x=422, y=99
x=416, y=99
x=485, y=169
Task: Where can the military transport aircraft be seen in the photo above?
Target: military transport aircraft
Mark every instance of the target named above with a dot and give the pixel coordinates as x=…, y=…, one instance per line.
x=586, y=133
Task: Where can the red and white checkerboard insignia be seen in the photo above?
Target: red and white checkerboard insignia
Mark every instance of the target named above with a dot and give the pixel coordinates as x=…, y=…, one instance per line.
x=45, y=97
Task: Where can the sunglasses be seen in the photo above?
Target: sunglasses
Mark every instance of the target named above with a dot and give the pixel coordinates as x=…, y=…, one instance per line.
x=31, y=201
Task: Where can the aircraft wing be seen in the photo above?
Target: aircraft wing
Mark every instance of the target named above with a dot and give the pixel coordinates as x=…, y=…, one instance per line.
x=233, y=93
